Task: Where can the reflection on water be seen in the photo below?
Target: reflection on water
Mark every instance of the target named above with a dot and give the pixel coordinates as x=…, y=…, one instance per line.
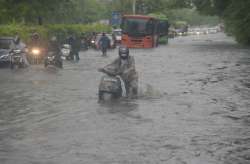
x=123, y=106
x=149, y=92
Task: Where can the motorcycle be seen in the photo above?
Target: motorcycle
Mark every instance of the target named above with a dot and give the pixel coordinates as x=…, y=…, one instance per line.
x=84, y=45
x=51, y=59
x=35, y=55
x=16, y=59
x=66, y=50
x=110, y=87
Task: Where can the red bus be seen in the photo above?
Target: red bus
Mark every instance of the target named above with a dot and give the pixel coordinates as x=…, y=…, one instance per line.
x=139, y=31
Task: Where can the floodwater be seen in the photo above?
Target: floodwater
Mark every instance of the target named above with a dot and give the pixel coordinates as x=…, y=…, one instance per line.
x=193, y=108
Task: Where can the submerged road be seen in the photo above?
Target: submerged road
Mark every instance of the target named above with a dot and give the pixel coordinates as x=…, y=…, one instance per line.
x=193, y=108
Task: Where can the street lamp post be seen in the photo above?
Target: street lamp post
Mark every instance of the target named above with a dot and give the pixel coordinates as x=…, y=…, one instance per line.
x=134, y=6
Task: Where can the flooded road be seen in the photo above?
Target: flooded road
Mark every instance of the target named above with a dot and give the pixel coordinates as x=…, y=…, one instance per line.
x=193, y=108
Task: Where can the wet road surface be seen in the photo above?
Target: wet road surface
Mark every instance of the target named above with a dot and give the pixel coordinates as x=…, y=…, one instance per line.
x=193, y=108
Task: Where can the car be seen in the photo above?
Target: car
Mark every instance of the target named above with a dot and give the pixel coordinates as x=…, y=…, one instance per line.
x=212, y=30
x=5, y=47
x=98, y=37
x=198, y=31
x=172, y=33
x=181, y=32
x=118, y=35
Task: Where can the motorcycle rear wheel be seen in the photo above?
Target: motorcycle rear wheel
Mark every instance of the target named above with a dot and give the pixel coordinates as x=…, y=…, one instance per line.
x=105, y=96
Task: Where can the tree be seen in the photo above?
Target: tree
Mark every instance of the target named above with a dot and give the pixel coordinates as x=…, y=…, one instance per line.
x=236, y=15
x=28, y=11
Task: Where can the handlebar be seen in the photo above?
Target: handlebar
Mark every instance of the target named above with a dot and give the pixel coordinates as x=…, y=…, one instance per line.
x=103, y=70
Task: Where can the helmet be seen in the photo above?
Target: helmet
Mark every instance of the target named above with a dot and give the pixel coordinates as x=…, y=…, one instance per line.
x=123, y=52
x=17, y=39
x=35, y=35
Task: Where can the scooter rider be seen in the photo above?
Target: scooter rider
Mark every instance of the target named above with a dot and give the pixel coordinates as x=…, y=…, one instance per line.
x=124, y=66
x=54, y=47
x=21, y=46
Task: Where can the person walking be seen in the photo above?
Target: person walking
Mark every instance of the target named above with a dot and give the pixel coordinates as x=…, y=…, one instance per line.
x=104, y=44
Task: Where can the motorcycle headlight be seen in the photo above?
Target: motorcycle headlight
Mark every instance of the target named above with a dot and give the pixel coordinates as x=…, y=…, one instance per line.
x=35, y=51
x=92, y=41
x=16, y=51
x=51, y=57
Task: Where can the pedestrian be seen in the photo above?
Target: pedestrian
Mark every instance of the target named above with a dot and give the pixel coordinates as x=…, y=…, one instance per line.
x=77, y=48
x=104, y=44
x=75, y=43
x=71, y=42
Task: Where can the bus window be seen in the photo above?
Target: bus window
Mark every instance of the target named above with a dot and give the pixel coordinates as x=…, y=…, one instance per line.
x=163, y=27
x=138, y=26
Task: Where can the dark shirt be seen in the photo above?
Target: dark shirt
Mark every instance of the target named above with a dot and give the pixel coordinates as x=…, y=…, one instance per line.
x=104, y=42
x=54, y=47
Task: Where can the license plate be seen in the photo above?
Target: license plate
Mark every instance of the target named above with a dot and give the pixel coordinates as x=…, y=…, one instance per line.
x=110, y=79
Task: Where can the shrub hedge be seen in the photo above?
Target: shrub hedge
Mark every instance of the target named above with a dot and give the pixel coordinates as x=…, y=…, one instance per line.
x=59, y=30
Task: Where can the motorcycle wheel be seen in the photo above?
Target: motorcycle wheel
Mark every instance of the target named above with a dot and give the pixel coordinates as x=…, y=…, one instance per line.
x=45, y=64
x=14, y=66
x=59, y=64
x=11, y=66
x=105, y=96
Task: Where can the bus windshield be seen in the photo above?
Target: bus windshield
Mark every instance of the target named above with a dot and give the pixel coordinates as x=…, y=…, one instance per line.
x=138, y=27
x=163, y=27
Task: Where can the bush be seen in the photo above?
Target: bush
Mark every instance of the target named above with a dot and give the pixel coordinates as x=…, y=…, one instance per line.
x=237, y=20
x=59, y=30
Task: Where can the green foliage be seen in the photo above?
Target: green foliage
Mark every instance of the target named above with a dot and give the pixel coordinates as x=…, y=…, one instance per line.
x=51, y=11
x=180, y=24
x=192, y=17
x=236, y=15
x=159, y=16
x=123, y=6
x=147, y=6
x=237, y=20
x=59, y=30
x=212, y=7
x=27, y=11
x=23, y=31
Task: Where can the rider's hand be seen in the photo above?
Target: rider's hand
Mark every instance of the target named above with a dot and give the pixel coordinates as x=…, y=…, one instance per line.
x=119, y=72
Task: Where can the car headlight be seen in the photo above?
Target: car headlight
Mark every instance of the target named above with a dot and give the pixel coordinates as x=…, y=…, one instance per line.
x=4, y=57
x=35, y=51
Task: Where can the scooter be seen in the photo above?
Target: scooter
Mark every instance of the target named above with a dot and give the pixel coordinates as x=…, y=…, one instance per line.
x=110, y=87
x=16, y=60
x=66, y=50
x=51, y=59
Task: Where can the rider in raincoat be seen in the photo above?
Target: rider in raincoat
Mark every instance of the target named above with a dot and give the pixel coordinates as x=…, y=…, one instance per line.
x=124, y=66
